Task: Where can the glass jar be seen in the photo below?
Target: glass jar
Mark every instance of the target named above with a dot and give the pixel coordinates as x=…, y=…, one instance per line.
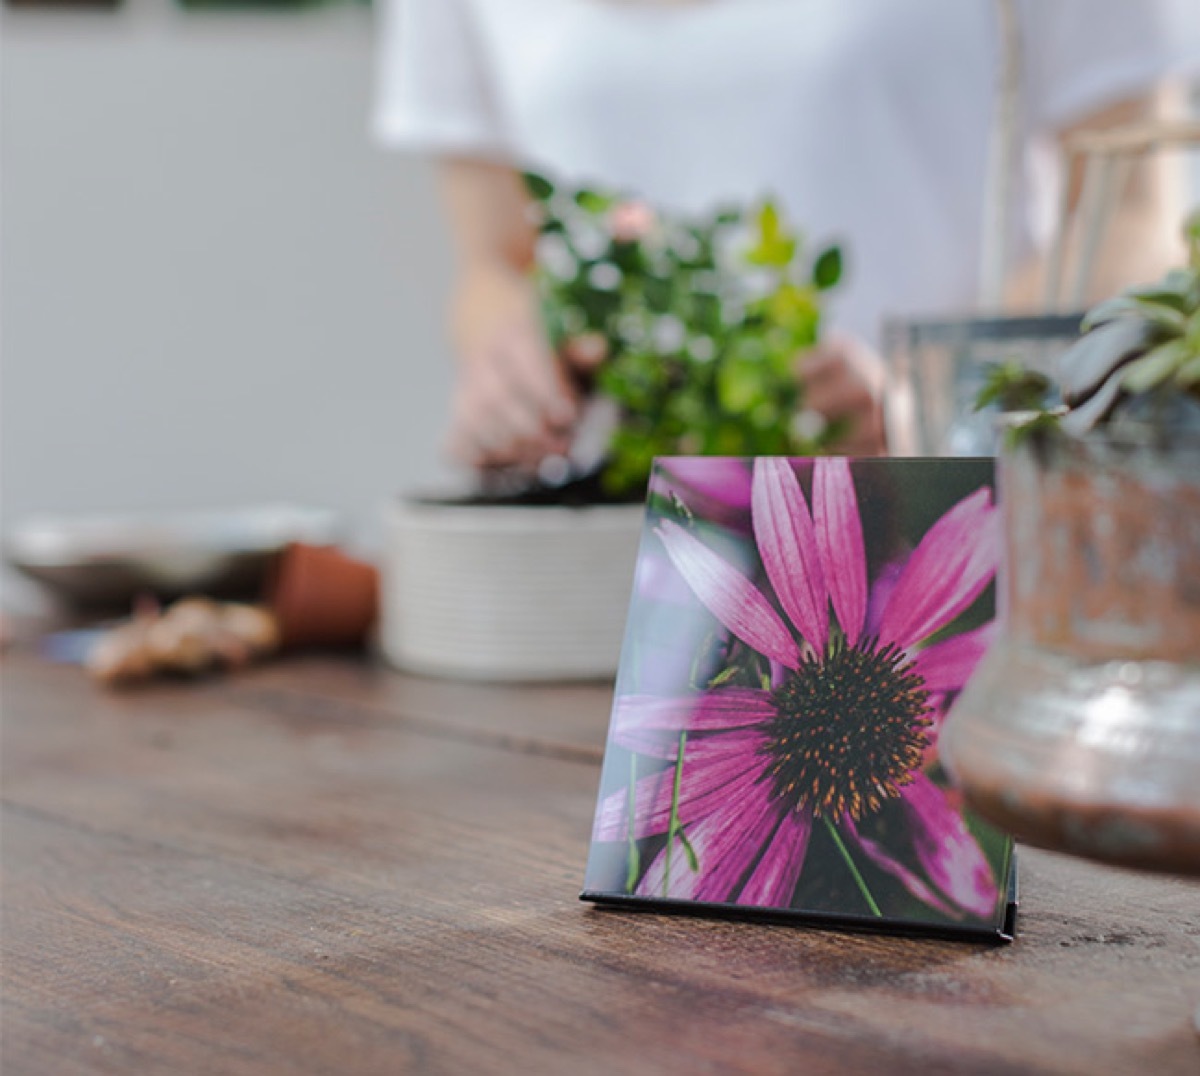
x=1080, y=731
x=936, y=368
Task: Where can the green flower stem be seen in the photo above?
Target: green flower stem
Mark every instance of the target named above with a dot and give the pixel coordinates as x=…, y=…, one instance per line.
x=635, y=860
x=694, y=672
x=858, y=878
x=673, y=823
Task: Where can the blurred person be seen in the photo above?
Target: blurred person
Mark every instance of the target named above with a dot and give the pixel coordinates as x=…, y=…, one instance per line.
x=869, y=120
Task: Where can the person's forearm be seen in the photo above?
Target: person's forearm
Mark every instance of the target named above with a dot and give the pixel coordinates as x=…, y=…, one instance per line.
x=512, y=403
x=488, y=211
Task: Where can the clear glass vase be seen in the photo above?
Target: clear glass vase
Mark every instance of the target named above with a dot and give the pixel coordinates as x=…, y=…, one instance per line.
x=1081, y=729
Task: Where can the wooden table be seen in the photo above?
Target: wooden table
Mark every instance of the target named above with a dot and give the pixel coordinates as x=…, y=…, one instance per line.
x=324, y=867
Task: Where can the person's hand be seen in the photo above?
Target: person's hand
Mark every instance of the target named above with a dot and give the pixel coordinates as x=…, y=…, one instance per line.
x=843, y=380
x=513, y=403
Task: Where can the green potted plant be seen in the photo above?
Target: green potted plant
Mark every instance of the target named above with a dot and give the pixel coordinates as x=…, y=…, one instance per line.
x=1080, y=731
x=696, y=323
x=689, y=331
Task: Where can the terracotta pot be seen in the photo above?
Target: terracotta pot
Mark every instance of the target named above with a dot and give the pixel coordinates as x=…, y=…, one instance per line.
x=322, y=597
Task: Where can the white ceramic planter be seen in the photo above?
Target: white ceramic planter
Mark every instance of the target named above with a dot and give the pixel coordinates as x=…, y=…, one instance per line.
x=507, y=593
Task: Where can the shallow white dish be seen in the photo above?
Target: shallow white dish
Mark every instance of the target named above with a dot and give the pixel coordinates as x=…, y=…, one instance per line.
x=107, y=560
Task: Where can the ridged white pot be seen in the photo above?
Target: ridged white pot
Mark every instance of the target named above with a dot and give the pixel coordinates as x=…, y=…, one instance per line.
x=507, y=593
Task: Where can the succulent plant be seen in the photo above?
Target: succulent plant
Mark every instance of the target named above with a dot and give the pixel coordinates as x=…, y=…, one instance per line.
x=1137, y=361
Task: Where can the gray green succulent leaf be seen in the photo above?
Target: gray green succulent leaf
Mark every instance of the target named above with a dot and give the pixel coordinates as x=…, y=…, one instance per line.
x=1084, y=367
x=1165, y=309
x=1156, y=366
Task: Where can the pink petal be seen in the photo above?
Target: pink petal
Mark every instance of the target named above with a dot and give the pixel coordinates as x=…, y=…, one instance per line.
x=714, y=769
x=726, y=842
x=787, y=543
x=894, y=867
x=840, y=543
x=651, y=725
x=947, y=852
x=946, y=666
x=657, y=580
x=722, y=479
x=729, y=595
x=949, y=569
x=779, y=674
x=774, y=879
x=881, y=593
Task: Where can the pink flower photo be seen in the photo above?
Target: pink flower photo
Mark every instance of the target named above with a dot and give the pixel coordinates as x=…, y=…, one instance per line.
x=774, y=733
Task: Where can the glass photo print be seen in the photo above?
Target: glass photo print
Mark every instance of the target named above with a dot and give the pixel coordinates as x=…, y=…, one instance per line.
x=797, y=632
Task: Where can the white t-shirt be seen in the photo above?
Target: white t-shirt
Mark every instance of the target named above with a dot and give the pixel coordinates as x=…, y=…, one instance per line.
x=868, y=119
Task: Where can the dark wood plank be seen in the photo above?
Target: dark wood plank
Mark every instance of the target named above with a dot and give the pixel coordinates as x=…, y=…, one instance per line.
x=194, y=885
x=571, y=719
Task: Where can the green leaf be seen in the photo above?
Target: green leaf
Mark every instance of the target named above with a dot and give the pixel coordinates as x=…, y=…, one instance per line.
x=776, y=256
x=658, y=294
x=775, y=248
x=1013, y=387
x=1179, y=288
x=1089, y=362
x=706, y=314
x=1183, y=282
x=538, y=186
x=794, y=307
x=727, y=439
x=724, y=676
x=630, y=258
x=770, y=228
x=631, y=452
x=689, y=851
x=593, y=201
x=1131, y=306
x=1043, y=425
x=1188, y=375
x=1192, y=335
x=1153, y=368
x=827, y=270
x=597, y=305
x=703, y=255
x=739, y=385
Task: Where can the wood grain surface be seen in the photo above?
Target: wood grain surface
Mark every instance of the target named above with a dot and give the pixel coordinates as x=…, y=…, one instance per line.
x=325, y=867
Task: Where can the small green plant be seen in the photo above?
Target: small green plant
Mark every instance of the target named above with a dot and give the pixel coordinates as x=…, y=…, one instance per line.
x=1010, y=386
x=693, y=326
x=1136, y=365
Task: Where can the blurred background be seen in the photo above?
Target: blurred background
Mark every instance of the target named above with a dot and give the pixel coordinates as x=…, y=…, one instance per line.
x=216, y=290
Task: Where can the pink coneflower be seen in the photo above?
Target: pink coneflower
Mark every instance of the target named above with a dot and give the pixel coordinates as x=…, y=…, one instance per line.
x=847, y=724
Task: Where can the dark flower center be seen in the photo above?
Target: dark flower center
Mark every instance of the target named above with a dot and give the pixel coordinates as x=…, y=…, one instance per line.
x=852, y=726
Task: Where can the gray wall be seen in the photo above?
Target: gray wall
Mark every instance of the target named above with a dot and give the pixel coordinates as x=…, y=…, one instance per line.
x=215, y=290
